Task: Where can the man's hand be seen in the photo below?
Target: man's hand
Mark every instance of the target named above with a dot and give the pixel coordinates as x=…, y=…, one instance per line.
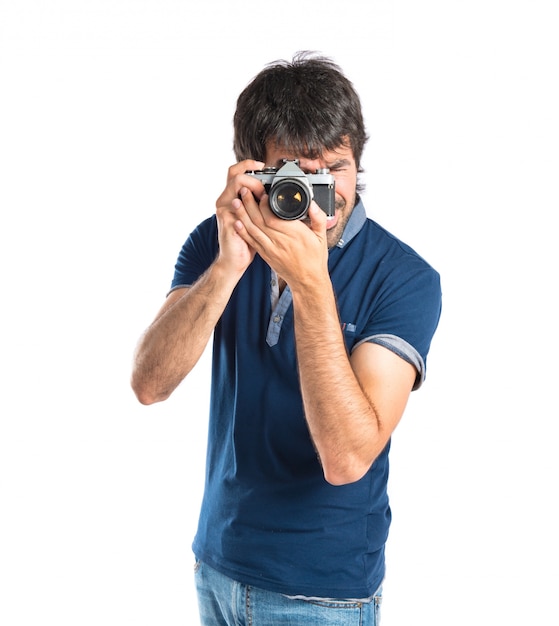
x=297, y=250
x=235, y=253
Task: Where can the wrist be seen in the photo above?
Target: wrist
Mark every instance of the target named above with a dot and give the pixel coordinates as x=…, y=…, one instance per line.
x=317, y=291
x=225, y=272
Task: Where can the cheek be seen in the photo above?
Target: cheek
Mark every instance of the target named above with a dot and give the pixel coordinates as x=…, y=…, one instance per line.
x=342, y=195
x=345, y=189
x=340, y=203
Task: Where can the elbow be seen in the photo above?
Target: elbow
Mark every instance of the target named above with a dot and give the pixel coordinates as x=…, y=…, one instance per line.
x=145, y=398
x=145, y=394
x=339, y=479
x=343, y=467
x=338, y=474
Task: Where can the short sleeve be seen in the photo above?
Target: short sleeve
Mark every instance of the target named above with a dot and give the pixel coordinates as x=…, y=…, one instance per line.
x=407, y=316
x=197, y=254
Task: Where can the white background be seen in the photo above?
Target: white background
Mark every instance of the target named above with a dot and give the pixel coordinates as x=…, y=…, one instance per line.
x=115, y=132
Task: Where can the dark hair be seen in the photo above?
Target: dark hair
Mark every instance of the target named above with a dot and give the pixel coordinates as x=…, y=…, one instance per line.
x=307, y=106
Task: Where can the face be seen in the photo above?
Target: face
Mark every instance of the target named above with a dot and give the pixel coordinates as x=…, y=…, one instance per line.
x=343, y=168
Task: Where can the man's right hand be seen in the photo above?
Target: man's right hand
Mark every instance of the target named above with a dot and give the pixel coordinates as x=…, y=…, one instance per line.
x=234, y=253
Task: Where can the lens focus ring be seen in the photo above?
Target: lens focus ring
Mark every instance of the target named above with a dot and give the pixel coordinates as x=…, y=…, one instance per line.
x=290, y=199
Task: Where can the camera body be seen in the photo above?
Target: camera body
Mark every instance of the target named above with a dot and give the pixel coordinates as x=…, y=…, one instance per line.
x=290, y=190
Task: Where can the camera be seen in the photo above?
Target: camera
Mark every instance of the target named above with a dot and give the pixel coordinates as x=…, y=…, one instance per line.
x=290, y=190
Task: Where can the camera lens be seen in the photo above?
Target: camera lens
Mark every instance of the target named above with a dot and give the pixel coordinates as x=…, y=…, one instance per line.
x=289, y=200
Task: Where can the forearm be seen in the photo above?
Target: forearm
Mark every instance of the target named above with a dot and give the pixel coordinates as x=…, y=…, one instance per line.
x=174, y=342
x=342, y=420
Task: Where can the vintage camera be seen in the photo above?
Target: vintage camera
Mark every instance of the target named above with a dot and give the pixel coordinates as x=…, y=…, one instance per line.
x=290, y=190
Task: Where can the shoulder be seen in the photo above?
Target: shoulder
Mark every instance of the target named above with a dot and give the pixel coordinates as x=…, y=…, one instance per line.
x=376, y=254
x=197, y=253
x=203, y=237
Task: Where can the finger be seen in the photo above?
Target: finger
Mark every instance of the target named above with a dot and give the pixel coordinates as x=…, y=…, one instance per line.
x=256, y=207
x=262, y=216
x=237, y=179
x=250, y=233
x=250, y=223
x=248, y=165
x=318, y=219
x=247, y=209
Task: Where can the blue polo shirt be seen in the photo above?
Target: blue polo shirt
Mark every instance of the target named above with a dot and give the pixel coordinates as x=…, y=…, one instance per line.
x=268, y=516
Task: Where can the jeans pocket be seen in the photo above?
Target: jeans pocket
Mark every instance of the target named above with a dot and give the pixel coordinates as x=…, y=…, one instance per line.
x=335, y=604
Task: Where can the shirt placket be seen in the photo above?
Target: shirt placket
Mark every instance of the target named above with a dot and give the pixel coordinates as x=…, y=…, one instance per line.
x=280, y=304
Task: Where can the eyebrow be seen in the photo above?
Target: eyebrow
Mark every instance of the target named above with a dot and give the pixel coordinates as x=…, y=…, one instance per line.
x=338, y=163
x=331, y=165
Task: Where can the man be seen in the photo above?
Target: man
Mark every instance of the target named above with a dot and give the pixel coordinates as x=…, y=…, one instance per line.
x=321, y=328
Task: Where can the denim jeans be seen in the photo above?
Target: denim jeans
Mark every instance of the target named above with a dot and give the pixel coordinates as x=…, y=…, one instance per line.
x=225, y=602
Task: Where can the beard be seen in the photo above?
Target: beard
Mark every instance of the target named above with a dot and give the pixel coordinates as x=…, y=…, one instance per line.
x=344, y=211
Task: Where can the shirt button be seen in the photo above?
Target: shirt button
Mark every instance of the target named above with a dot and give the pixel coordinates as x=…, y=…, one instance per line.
x=277, y=319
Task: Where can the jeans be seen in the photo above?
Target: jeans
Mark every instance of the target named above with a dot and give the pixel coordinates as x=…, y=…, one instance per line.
x=226, y=602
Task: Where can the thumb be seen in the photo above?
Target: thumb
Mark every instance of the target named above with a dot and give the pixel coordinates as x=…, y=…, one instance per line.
x=318, y=218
